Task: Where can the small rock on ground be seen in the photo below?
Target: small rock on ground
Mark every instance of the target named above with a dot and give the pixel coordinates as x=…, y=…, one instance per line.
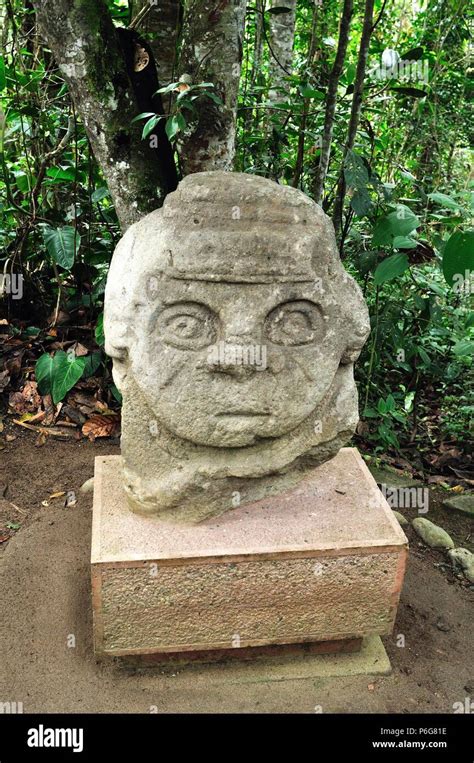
x=431, y=534
x=465, y=559
x=87, y=486
x=464, y=503
x=392, y=479
x=401, y=519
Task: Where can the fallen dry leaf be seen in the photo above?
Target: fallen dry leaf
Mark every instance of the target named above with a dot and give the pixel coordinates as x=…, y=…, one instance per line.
x=57, y=495
x=101, y=426
x=74, y=414
x=80, y=350
x=49, y=410
x=13, y=365
x=85, y=403
x=26, y=401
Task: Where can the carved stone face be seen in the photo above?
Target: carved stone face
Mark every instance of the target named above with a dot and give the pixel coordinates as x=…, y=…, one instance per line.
x=228, y=364
x=233, y=328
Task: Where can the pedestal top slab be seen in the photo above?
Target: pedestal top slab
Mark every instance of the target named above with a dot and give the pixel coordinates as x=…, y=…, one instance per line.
x=337, y=507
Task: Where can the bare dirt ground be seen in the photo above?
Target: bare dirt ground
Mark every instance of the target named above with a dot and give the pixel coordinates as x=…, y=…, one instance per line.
x=46, y=630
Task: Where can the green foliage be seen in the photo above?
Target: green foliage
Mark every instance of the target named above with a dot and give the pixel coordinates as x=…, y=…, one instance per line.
x=390, y=268
x=185, y=99
x=57, y=374
x=406, y=225
x=62, y=244
x=458, y=256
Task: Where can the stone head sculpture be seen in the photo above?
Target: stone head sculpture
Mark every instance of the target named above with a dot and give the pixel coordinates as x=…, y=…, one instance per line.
x=233, y=329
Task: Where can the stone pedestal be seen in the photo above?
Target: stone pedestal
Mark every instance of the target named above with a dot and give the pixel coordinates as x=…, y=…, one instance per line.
x=322, y=562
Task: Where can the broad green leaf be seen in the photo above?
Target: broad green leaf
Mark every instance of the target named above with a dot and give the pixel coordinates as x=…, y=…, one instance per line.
x=22, y=181
x=370, y=413
x=424, y=356
x=458, y=257
x=99, y=330
x=446, y=202
x=404, y=242
x=181, y=120
x=67, y=371
x=309, y=92
x=44, y=373
x=388, y=435
x=407, y=175
x=168, y=88
x=144, y=115
x=464, y=347
x=356, y=173
x=214, y=97
x=99, y=194
x=62, y=244
x=92, y=364
x=401, y=222
x=32, y=331
x=60, y=174
x=350, y=73
x=361, y=202
x=174, y=125
x=150, y=125
x=116, y=393
x=390, y=268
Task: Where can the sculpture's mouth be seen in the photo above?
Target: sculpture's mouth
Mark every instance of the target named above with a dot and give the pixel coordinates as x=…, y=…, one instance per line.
x=244, y=413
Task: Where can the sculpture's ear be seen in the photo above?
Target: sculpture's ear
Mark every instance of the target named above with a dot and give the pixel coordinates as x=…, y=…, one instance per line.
x=358, y=321
x=118, y=306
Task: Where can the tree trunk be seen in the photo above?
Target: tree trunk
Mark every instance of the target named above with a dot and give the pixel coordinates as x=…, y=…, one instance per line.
x=161, y=25
x=331, y=98
x=211, y=51
x=367, y=29
x=86, y=47
x=281, y=39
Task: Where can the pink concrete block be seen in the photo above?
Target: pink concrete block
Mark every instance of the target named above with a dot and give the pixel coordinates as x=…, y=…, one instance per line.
x=322, y=562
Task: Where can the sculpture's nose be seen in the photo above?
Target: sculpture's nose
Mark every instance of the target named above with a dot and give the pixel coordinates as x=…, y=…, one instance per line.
x=238, y=356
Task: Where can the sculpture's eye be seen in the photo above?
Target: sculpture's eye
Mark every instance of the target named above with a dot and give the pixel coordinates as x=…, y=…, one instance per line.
x=293, y=323
x=189, y=325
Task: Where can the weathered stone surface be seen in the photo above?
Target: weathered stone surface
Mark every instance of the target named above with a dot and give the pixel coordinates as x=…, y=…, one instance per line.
x=321, y=562
x=465, y=559
x=87, y=486
x=233, y=328
x=392, y=480
x=432, y=535
x=400, y=518
x=464, y=503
